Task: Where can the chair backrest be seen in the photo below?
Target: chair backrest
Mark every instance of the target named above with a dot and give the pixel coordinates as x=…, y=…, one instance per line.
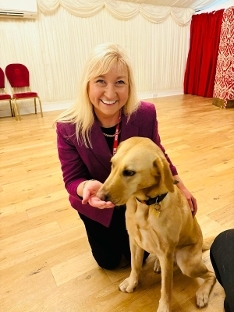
x=17, y=75
x=2, y=79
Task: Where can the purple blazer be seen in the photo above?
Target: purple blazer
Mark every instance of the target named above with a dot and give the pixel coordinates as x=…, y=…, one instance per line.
x=79, y=163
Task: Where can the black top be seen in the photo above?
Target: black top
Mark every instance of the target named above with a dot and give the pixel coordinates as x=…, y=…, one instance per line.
x=110, y=140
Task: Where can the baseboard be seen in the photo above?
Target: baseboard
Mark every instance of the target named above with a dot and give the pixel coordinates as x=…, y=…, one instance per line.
x=28, y=108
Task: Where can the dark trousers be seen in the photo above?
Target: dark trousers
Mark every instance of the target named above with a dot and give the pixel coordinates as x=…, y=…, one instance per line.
x=108, y=245
x=222, y=259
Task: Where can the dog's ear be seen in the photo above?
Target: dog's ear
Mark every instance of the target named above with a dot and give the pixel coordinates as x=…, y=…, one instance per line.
x=163, y=167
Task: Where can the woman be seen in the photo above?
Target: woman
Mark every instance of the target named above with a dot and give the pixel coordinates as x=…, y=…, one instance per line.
x=107, y=112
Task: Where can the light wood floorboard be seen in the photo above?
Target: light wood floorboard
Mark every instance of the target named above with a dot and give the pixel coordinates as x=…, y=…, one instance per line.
x=45, y=260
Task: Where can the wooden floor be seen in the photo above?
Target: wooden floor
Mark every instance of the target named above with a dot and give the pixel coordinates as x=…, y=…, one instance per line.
x=45, y=260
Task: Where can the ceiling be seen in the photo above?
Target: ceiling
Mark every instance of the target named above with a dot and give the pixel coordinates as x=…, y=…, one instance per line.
x=194, y=4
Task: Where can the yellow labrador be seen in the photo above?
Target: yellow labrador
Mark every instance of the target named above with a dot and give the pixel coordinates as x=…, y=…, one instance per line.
x=158, y=218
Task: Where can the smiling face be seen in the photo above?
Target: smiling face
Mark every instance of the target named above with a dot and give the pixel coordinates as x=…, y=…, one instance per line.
x=108, y=93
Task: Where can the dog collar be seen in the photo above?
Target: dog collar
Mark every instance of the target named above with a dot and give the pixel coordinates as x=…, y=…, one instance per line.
x=153, y=201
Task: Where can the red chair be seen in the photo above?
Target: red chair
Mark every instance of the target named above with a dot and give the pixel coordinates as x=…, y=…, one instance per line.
x=18, y=77
x=3, y=95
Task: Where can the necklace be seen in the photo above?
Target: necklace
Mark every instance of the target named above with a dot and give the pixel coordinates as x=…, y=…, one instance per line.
x=111, y=135
x=115, y=135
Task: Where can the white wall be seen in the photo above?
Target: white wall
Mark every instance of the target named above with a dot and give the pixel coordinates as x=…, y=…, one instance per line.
x=55, y=46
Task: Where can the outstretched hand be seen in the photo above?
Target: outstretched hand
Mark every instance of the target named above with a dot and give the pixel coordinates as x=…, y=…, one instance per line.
x=90, y=190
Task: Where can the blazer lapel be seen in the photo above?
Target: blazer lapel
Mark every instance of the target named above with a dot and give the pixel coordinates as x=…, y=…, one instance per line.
x=128, y=128
x=100, y=148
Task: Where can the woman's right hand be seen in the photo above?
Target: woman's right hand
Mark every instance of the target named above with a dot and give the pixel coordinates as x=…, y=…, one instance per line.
x=90, y=190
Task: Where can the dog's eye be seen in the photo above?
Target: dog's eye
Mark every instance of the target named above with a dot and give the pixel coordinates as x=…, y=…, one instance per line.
x=128, y=173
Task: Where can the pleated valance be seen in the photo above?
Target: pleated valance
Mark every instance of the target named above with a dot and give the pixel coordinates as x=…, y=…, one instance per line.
x=118, y=9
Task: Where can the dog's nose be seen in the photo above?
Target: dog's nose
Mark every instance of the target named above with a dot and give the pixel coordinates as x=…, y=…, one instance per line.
x=105, y=197
x=102, y=195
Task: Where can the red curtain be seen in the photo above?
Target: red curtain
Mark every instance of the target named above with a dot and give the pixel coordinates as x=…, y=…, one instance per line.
x=202, y=58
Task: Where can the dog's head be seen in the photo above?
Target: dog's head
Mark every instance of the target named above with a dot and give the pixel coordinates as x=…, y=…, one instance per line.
x=139, y=168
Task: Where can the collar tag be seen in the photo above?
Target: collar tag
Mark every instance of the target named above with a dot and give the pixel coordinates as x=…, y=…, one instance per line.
x=157, y=209
x=157, y=212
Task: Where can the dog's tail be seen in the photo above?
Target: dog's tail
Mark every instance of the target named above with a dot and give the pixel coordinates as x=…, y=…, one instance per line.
x=207, y=242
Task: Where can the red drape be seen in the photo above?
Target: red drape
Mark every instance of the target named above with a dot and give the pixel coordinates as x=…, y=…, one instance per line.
x=202, y=58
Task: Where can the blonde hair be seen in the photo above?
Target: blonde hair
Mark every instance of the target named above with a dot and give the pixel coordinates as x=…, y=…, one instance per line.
x=101, y=60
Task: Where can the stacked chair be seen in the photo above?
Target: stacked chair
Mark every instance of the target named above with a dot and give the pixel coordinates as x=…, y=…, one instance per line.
x=3, y=95
x=18, y=77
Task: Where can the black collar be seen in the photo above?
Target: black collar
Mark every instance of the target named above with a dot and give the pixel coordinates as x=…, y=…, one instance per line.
x=153, y=201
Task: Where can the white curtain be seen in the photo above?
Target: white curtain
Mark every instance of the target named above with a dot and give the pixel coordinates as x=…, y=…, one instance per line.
x=56, y=44
x=118, y=9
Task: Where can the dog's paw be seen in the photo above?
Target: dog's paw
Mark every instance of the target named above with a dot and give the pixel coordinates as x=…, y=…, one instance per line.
x=163, y=310
x=127, y=285
x=162, y=307
x=157, y=267
x=202, y=299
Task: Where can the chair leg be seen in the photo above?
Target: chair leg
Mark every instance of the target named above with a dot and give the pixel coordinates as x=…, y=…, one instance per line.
x=35, y=105
x=40, y=106
x=12, y=111
x=17, y=111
